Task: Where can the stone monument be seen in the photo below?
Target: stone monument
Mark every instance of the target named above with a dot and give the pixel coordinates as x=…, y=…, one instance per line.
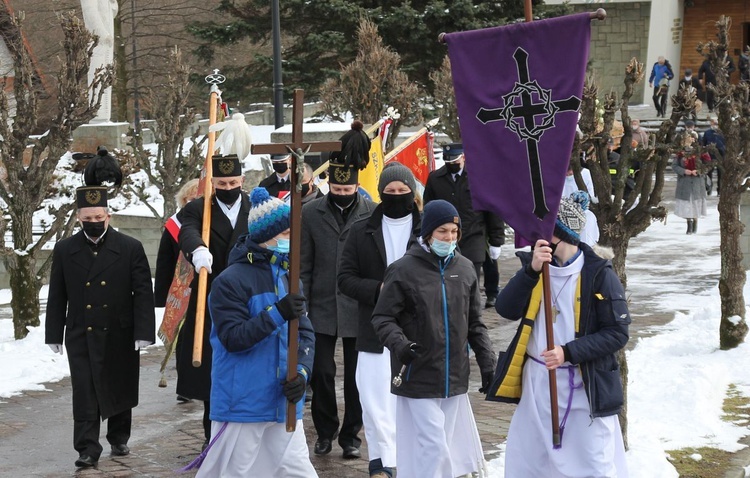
x=99, y=17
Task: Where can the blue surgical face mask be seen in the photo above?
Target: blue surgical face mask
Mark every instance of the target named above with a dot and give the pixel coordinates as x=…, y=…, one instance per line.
x=281, y=246
x=442, y=248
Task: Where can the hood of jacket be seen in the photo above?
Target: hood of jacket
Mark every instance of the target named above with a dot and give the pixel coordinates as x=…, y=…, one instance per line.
x=246, y=250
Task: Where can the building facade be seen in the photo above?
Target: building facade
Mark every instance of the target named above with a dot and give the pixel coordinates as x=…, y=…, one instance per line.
x=650, y=29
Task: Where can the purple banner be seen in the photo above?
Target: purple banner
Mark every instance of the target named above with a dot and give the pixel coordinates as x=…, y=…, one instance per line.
x=518, y=90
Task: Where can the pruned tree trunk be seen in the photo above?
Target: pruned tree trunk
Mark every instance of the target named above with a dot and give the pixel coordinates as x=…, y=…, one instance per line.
x=734, y=123
x=733, y=328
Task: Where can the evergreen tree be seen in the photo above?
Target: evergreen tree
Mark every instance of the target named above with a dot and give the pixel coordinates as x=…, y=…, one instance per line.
x=318, y=37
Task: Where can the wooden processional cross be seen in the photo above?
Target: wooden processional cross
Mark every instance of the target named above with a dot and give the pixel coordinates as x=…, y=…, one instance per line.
x=298, y=149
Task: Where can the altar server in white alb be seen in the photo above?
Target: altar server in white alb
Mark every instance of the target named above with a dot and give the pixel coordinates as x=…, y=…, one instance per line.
x=590, y=322
x=250, y=310
x=428, y=314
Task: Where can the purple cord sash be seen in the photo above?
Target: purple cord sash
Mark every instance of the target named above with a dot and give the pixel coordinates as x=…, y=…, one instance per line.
x=195, y=464
x=573, y=387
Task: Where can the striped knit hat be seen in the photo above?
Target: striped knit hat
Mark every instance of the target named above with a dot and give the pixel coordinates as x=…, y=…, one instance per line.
x=269, y=216
x=571, y=217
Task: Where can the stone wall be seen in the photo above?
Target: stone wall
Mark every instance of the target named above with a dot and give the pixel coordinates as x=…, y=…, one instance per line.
x=614, y=41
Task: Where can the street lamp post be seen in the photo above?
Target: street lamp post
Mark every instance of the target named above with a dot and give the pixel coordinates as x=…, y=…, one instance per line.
x=278, y=86
x=136, y=104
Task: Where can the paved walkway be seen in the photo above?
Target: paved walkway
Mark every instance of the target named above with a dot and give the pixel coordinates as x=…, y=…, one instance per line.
x=36, y=427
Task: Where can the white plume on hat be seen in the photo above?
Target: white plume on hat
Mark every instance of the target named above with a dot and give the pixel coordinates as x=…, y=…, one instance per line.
x=235, y=138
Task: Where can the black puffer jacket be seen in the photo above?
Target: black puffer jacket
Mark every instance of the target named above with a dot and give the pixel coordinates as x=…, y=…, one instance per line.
x=603, y=330
x=439, y=307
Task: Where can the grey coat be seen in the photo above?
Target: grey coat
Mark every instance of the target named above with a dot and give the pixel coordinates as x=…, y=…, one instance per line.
x=688, y=187
x=330, y=311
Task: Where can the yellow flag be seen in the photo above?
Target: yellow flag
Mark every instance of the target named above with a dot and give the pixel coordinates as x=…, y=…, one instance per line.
x=369, y=177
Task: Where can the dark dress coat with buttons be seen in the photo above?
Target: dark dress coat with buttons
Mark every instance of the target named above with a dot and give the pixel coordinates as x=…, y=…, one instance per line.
x=478, y=228
x=101, y=303
x=195, y=382
x=273, y=186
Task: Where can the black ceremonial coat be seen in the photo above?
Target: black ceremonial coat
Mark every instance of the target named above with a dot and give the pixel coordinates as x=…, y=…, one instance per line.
x=195, y=382
x=477, y=227
x=102, y=304
x=273, y=186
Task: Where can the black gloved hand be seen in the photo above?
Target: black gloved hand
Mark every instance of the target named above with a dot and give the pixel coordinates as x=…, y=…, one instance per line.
x=407, y=354
x=486, y=381
x=291, y=306
x=294, y=389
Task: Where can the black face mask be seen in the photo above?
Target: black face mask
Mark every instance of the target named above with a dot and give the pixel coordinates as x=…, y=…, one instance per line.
x=280, y=168
x=305, y=189
x=453, y=168
x=228, y=196
x=553, y=246
x=93, y=229
x=342, y=200
x=397, y=205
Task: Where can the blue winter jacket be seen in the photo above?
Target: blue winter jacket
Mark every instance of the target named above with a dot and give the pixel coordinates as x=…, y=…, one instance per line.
x=249, y=338
x=658, y=72
x=602, y=331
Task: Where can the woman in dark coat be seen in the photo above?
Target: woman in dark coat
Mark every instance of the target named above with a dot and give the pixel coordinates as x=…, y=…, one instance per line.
x=169, y=249
x=372, y=245
x=690, y=194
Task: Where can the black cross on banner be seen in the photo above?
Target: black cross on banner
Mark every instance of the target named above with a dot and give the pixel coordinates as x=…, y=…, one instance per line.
x=521, y=118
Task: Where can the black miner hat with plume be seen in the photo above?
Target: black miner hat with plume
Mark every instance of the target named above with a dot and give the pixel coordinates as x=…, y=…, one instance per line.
x=102, y=168
x=345, y=165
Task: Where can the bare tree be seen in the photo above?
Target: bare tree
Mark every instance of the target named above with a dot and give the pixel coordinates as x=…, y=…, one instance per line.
x=31, y=161
x=371, y=83
x=734, y=122
x=444, y=101
x=170, y=167
x=622, y=212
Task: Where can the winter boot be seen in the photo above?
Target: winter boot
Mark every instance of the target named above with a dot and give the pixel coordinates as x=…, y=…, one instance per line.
x=695, y=226
x=689, y=226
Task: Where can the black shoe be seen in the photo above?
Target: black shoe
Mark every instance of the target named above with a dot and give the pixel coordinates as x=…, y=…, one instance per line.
x=205, y=444
x=120, y=450
x=351, y=452
x=323, y=446
x=85, y=461
x=490, y=302
x=182, y=399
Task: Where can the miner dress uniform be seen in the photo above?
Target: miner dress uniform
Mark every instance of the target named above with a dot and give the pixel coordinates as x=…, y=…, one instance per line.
x=101, y=301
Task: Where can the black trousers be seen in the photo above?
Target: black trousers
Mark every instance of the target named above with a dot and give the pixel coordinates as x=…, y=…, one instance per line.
x=660, y=101
x=207, y=419
x=324, y=409
x=86, y=433
x=491, y=277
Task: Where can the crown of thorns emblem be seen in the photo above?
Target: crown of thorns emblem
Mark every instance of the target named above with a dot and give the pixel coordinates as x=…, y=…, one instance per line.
x=529, y=129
